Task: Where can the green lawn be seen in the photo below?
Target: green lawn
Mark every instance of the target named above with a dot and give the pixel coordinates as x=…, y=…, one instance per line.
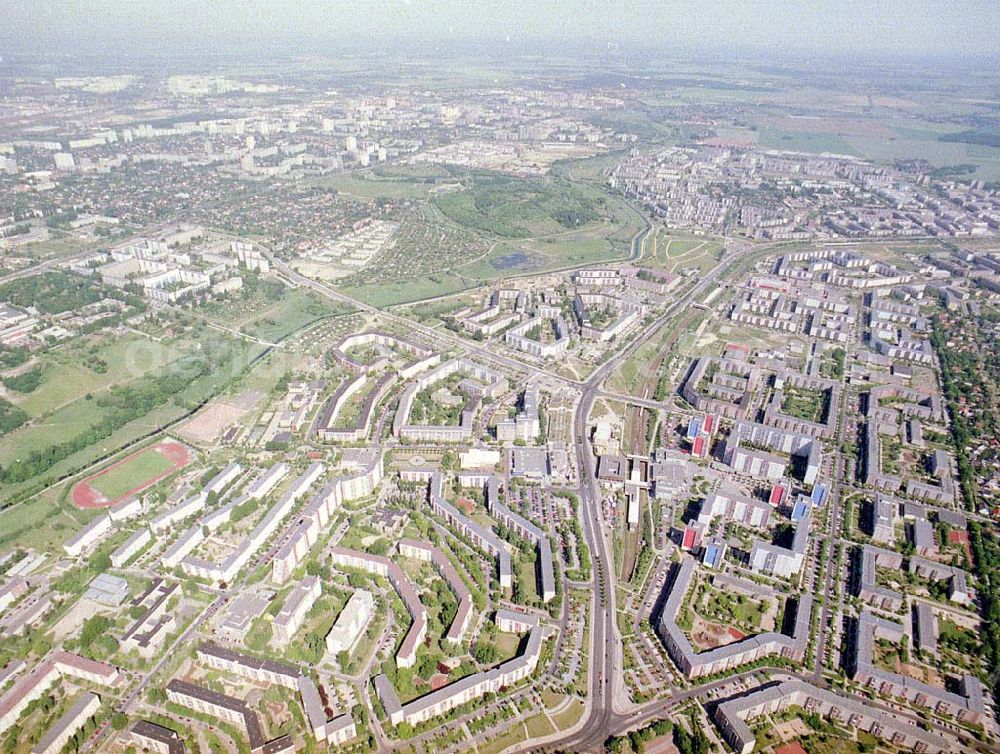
x=131, y=432
x=59, y=244
x=514, y=735
x=644, y=365
x=539, y=726
x=273, y=312
x=588, y=169
x=43, y=523
x=66, y=376
x=404, y=292
x=526, y=577
x=568, y=717
x=671, y=247
x=60, y=384
x=535, y=256
x=426, y=244
x=938, y=153
x=527, y=225
x=804, y=403
x=76, y=418
x=680, y=252
x=804, y=141
x=434, y=311
x=508, y=644
x=745, y=613
x=134, y=472
x=522, y=208
x=917, y=140
x=551, y=699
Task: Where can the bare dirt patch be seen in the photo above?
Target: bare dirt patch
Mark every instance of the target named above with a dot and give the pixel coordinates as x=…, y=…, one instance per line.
x=208, y=425
x=706, y=635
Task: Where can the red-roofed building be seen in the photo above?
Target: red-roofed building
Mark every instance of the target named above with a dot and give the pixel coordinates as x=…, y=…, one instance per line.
x=700, y=447
x=691, y=538
x=778, y=493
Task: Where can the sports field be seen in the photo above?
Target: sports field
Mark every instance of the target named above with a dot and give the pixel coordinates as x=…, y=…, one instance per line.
x=120, y=479
x=131, y=475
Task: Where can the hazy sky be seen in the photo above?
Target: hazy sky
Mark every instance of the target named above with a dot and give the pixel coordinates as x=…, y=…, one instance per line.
x=948, y=27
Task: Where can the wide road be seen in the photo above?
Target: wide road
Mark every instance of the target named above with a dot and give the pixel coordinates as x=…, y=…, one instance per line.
x=484, y=353
x=600, y=717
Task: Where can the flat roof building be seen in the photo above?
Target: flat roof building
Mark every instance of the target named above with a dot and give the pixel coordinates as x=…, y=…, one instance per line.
x=481, y=536
x=783, y=562
x=131, y=547
x=337, y=729
x=351, y=623
x=293, y=612
x=967, y=705
x=732, y=716
x=695, y=664
x=925, y=632
x=463, y=613
x=868, y=589
x=107, y=590
x=44, y=675
x=524, y=528
x=455, y=694
x=406, y=655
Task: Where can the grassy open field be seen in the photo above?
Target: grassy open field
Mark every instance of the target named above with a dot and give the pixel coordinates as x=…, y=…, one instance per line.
x=498, y=226
x=272, y=311
x=635, y=371
x=880, y=138
x=681, y=253
x=642, y=123
x=50, y=445
x=588, y=169
x=59, y=244
x=132, y=473
x=79, y=415
x=405, y=292
x=774, y=138
x=539, y=255
x=523, y=208
x=568, y=716
x=538, y=726
x=78, y=368
x=599, y=243
x=526, y=576
x=433, y=311
x=515, y=734
x=43, y=523
x=46, y=519
x=129, y=433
